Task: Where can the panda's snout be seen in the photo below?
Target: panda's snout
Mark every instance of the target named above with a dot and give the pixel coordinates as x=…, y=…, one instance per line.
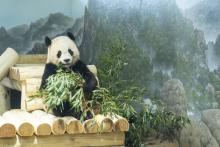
x=66, y=60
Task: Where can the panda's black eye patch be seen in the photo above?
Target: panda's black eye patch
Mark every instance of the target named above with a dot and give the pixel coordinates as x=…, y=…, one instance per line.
x=70, y=51
x=59, y=54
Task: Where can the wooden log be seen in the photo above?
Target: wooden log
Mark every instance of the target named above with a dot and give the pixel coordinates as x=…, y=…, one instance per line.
x=91, y=126
x=41, y=59
x=41, y=127
x=4, y=99
x=7, y=59
x=120, y=123
x=32, y=59
x=26, y=72
x=6, y=129
x=105, y=123
x=22, y=125
x=22, y=72
x=73, y=126
x=57, y=124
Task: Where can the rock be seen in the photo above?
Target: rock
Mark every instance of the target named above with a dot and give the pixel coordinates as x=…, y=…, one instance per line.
x=158, y=143
x=173, y=95
x=197, y=134
x=211, y=117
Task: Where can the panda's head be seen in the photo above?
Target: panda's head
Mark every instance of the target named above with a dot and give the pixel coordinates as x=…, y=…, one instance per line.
x=62, y=50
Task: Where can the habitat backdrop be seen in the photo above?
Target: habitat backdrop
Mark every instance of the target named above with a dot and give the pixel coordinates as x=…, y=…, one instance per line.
x=162, y=39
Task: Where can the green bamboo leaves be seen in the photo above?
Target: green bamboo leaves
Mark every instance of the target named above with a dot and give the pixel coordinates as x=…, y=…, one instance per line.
x=64, y=86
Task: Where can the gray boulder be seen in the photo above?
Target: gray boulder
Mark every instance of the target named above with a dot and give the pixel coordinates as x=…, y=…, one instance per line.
x=173, y=95
x=211, y=117
x=197, y=135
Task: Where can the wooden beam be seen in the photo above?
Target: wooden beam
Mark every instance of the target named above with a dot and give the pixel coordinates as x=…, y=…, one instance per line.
x=115, y=139
x=32, y=59
x=21, y=72
x=25, y=72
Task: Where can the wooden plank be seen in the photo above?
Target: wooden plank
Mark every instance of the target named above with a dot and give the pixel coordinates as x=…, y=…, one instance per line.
x=22, y=72
x=76, y=140
x=26, y=72
x=32, y=59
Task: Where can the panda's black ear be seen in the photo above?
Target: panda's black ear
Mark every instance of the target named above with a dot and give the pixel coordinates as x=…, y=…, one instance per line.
x=47, y=41
x=71, y=36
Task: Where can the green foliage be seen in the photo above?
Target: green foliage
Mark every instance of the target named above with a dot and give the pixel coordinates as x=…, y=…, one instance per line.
x=146, y=121
x=61, y=87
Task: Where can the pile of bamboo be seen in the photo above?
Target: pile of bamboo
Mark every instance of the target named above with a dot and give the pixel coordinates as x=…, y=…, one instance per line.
x=40, y=123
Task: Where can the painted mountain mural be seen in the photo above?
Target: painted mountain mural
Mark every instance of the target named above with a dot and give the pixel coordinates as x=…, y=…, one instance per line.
x=158, y=40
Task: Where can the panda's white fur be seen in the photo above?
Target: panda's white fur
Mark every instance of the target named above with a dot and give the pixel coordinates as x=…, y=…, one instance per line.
x=63, y=44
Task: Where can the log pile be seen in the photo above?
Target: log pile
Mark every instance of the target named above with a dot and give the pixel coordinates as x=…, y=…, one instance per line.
x=41, y=123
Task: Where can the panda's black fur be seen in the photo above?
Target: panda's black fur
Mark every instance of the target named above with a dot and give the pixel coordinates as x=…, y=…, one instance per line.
x=78, y=67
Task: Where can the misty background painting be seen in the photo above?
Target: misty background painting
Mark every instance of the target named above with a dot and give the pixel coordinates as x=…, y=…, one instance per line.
x=162, y=39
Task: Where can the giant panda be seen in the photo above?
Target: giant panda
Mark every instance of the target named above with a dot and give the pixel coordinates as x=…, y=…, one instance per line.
x=63, y=50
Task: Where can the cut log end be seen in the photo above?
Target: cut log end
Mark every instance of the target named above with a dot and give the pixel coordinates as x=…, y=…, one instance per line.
x=26, y=129
x=74, y=127
x=91, y=126
x=43, y=129
x=106, y=125
x=7, y=130
x=122, y=125
x=58, y=127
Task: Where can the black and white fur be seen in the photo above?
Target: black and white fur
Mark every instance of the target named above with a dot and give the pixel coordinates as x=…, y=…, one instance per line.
x=62, y=49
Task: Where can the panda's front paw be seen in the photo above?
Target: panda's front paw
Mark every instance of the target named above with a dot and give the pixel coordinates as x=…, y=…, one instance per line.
x=90, y=86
